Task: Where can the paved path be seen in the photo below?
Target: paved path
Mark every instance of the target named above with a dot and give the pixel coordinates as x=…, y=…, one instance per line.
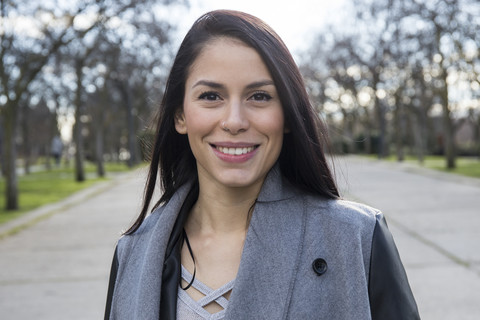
x=435, y=220
x=58, y=268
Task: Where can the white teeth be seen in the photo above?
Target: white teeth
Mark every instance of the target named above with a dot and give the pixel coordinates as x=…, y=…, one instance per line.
x=235, y=151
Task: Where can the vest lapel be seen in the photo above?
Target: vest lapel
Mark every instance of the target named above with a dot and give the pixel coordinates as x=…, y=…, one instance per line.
x=271, y=253
x=143, y=273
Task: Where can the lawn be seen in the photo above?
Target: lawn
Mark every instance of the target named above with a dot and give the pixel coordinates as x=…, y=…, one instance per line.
x=466, y=166
x=40, y=188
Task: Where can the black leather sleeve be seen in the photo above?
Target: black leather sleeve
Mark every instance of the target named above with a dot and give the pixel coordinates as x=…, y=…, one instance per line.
x=389, y=291
x=111, y=285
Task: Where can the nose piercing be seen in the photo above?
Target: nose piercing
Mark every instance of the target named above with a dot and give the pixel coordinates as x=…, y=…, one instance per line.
x=224, y=126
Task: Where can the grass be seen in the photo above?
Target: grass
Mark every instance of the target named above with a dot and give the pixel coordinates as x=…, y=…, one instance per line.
x=466, y=166
x=44, y=187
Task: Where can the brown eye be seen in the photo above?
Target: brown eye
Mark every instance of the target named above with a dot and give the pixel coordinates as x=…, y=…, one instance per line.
x=211, y=96
x=261, y=96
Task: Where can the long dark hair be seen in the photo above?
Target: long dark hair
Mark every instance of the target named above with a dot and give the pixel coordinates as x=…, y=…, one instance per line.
x=302, y=158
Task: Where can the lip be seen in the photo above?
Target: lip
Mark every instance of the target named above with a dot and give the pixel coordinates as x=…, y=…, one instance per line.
x=242, y=153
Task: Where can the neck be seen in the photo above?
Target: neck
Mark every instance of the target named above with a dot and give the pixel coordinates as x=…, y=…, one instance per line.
x=220, y=210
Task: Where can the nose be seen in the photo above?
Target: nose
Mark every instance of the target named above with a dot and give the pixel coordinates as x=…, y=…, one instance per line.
x=235, y=120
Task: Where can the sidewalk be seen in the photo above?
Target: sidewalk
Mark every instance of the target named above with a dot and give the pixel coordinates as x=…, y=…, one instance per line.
x=435, y=220
x=58, y=267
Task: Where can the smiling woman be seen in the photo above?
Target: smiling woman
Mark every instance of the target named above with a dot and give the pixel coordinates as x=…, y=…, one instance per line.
x=250, y=224
x=234, y=124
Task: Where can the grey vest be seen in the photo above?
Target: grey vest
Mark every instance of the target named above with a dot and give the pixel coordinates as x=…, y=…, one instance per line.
x=279, y=275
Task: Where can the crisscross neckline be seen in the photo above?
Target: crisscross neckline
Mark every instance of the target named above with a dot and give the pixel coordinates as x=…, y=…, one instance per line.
x=210, y=296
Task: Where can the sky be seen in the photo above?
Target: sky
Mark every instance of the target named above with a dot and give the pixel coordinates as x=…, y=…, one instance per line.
x=296, y=21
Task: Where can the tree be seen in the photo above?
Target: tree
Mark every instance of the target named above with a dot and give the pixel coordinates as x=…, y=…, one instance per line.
x=32, y=34
x=122, y=72
x=23, y=56
x=448, y=27
x=404, y=62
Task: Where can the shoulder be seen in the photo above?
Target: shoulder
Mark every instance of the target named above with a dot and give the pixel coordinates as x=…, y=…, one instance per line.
x=341, y=229
x=156, y=228
x=343, y=210
x=341, y=221
x=128, y=241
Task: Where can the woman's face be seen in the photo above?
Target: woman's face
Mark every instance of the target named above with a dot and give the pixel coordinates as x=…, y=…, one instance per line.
x=232, y=115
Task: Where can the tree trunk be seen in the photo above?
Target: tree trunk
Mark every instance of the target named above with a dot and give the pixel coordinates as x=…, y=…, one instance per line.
x=351, y=121
x=79, y=165
x=132, y=146
x=477, y=134
x=2, y=153
x=448, y=128
x=99, y=138
x=382, y=137
x=99, y=154
x=26, y=139
x=367, y=127
x=418, y=128
x=398, y=120
x=382, y=125
x=9, y=151
x=131, y=137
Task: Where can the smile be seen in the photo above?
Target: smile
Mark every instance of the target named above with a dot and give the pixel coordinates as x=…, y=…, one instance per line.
x=235, y=151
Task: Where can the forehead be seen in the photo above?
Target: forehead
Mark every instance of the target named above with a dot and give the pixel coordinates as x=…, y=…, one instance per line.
x=228, y=55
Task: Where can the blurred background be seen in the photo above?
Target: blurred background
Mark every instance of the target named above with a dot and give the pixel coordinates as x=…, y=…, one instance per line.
x=80, y=80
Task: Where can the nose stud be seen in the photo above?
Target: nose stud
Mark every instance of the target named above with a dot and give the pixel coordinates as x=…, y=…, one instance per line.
x=224, y=126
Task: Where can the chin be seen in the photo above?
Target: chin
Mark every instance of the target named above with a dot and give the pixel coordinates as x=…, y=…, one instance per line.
x=236, y=183
x=239, y=180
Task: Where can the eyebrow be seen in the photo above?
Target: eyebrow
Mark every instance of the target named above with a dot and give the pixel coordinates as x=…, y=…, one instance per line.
x=207, y=83
x=253, y=85
x=259, y=84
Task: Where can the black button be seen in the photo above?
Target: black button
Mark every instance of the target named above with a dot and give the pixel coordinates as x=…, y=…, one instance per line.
x=319, y=266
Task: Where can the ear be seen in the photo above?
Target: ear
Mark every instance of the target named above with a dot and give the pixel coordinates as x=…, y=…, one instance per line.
x=180, y=123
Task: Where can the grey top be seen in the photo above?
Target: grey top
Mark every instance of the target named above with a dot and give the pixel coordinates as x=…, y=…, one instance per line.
x=189, y=309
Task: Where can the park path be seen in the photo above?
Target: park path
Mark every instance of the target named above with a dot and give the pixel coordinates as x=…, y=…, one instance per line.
x=58, y=267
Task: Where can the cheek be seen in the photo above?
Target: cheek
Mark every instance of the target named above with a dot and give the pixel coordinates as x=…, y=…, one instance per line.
x=196, y=121
x=276, y=125
x=199, y=122
x=190, y=116
x=272, y=125
x=280, y=130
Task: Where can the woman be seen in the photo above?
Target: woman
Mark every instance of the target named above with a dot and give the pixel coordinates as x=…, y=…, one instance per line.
x=249, y=225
